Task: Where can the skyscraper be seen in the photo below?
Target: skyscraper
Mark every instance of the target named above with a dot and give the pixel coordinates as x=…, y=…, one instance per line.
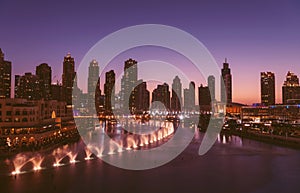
x=267, y=88
x=5, y=77
x=93, y=77
x=162, y=94
x=192, y=91
x=226, y=85
x=291, y=89
x=109, y=90
x=44, y=73
x=128, y=84
x=204, y=95
x=189, y=97
x=211, y=86
x=28, y=87
x=176, y=94
x=142, y=97
x=93, y=84
x=68, y=77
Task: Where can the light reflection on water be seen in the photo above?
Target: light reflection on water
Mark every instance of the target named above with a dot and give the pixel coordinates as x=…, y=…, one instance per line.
x=232, y=165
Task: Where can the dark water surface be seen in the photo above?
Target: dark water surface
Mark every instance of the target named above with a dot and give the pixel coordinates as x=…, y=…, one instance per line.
x=232, y=165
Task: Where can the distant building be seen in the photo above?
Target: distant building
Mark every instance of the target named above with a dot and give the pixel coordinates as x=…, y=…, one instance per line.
x=142, y=97
x=5, y=77
x=17, y=83
x=93, y=78
x=272, y=113
x=28, y=87
x=68, y=77
x=212, y=86
x=176, y=100
x=189, y=97
x=291, y=89
x=162, y=94
x=128, y=83
x=57, y=92
x=44, y=74
x=226, y=85
x=109, y=90
x=204, y=96
x=267, y=86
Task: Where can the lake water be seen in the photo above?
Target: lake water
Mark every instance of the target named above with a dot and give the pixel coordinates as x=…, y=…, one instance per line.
x=231, y=165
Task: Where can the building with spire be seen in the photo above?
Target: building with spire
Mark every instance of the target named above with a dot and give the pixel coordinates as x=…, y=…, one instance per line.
x=5, y=77
x=226, y=83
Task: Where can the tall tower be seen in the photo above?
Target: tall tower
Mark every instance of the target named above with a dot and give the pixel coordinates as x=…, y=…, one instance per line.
x=162, y=94
x=204, y=96
x=212, y=87
x=44, y=73
x=109, y=90
x=93, y=83
x=128, y=84
x=290, y=89
x=226, y=88
x=93, y=77
x=68, y=77
x=176, y=94
x=267, y=88
x=192, y=91
x=142, y=97
x=5, y=77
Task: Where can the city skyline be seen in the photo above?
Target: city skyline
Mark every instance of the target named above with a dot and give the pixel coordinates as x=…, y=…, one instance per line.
x=45, y=72
x=253, y=42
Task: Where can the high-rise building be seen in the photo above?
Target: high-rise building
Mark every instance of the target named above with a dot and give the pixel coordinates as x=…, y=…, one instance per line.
x=267, y=88
x=128, y=83
x=142, y=97
x=176, y=94
x=162, y=94
x=57, y=92
x=17, y=83
x=109, y=90
x=212, y=87
x=5, y=77
x=192, y=91
x=93, y=77
x=93, y=83
x=204, y=95
x=189, y=97
x=291, y=89
x=44, y=73
x=68, y=77
x=226, y=83
x=28, y=87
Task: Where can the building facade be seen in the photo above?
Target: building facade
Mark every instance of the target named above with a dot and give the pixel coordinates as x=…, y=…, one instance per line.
x=267, y=86
x=291, y=89
x=5, y=77
x=226, y=83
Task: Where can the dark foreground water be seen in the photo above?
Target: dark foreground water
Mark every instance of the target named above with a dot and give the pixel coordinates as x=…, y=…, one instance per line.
x=232, y=165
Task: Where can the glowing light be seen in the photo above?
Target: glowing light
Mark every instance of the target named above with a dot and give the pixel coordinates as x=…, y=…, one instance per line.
x=16, y=172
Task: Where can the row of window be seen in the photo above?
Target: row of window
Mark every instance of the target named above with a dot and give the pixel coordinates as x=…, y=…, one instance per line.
x=17, y=120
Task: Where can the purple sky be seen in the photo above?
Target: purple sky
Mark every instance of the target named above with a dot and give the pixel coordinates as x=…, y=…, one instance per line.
x=254, y=35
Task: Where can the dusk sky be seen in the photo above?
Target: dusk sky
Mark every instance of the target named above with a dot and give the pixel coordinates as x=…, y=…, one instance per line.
x=255, y=36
